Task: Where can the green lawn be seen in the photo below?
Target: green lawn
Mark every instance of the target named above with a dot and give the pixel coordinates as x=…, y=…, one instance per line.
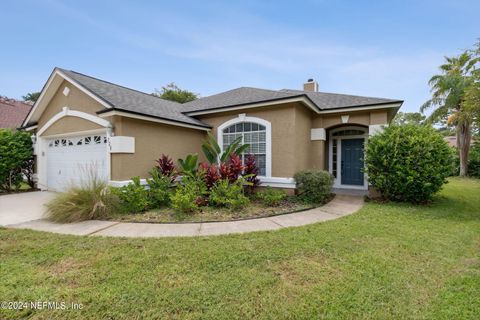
x=388, y=261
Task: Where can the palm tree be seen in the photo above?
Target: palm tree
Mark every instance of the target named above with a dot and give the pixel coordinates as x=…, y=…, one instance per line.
x=448, y=91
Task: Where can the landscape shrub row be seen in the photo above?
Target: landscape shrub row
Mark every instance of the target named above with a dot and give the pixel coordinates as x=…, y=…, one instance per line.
x=16, y=160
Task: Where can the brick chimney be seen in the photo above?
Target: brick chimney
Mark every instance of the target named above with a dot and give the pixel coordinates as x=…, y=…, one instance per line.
x=311, y=85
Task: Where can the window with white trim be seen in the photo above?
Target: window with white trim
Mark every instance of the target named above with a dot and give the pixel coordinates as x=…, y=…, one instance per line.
x=253, y=134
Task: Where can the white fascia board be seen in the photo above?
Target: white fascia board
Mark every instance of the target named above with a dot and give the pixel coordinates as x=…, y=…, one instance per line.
x=74, y=113
x=58, y=73
x=40, y=99
x=257, y=105
x=87, y=92
x=30, y=128
x=152, y=119
x=352, y=109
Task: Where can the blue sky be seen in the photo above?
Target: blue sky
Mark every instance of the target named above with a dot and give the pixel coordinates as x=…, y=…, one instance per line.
x=375, y=48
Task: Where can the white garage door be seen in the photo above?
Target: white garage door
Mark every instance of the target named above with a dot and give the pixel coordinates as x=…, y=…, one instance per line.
x=71, y=161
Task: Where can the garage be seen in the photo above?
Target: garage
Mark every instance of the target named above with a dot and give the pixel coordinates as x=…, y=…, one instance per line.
x=72, y=160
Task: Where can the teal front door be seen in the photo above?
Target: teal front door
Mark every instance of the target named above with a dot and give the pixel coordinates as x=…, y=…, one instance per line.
x=352, y=162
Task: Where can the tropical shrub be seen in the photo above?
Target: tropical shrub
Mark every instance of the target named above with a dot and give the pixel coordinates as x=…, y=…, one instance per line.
x=211, y=174
x=228, y=194
x=212, y=151
x=231, y=169
x=159, y=189
x=271, y=197
x=474, y=160
x=408, y=163
x=134, y=196
x=189, y=194
x=16, y=153
x=251, y=173
x=166, y=166
x=189, y=166
x=93, y=200
x=313, y=186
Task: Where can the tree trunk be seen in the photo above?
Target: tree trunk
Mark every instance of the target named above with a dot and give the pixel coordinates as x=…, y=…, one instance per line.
x=464, y=137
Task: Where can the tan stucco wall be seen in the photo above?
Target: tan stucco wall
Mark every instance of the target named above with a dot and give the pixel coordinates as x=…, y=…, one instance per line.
x=364, y=118
x=292, y=148
x=303, y=143
x=282, y=118
x=379, y=117
x=76, y=100
x=151, y=140
x=70, y=124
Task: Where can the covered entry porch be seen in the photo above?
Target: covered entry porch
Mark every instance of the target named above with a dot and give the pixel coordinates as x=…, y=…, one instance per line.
x=345, y=156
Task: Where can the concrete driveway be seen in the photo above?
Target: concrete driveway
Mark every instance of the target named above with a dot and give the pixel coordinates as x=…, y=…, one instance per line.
x=23, y=207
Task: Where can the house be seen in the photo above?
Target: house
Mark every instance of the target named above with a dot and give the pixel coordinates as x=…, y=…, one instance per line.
x=12, y=113
x=83, y=123
x=452, y=141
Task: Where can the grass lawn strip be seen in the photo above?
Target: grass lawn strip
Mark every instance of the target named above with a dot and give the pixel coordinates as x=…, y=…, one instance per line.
x=388, y=261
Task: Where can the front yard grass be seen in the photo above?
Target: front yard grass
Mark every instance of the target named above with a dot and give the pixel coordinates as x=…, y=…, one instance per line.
x=388, y=261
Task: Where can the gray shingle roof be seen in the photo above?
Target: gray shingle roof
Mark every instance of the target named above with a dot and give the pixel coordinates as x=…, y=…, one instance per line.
x=129, y=100
x=246, y=95
x=239, y=96
x=326, y=100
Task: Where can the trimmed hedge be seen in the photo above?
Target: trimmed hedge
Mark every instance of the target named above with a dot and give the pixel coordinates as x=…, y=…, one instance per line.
x=408, y=163
x=313, y=186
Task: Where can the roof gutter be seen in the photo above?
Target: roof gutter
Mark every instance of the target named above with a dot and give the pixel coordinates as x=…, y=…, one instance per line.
x=298, y=98
x=394, y=104
x=146, y=117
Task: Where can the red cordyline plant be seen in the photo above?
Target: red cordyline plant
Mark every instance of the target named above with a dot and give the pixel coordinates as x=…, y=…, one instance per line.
x=166, y=166
x=251, y=172
x=231, y=169
x=211, y=174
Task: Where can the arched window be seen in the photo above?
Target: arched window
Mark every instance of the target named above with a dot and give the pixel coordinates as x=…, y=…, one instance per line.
x=253, y=131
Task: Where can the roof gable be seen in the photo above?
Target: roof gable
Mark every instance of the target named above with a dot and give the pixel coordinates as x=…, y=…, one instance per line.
x=112, y=97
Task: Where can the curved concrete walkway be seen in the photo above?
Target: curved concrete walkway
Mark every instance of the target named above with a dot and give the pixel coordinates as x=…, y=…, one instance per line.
x=12, y=213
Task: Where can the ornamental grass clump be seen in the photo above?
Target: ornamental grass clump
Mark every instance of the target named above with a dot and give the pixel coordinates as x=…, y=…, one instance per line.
x=93, y=199
x=408, y=163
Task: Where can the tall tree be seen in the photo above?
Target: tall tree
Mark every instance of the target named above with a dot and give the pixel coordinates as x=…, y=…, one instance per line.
x=31, y=96
x=173, y=93
x=409, y=118
x=448, y=93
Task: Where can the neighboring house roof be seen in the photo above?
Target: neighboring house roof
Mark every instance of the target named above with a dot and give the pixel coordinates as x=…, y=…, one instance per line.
x=13, y=113
x=452, y=141
x=129, y=100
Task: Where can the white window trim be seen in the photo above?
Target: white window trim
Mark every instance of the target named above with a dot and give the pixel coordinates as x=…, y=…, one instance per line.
x=338, y=180
x=268, y=138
